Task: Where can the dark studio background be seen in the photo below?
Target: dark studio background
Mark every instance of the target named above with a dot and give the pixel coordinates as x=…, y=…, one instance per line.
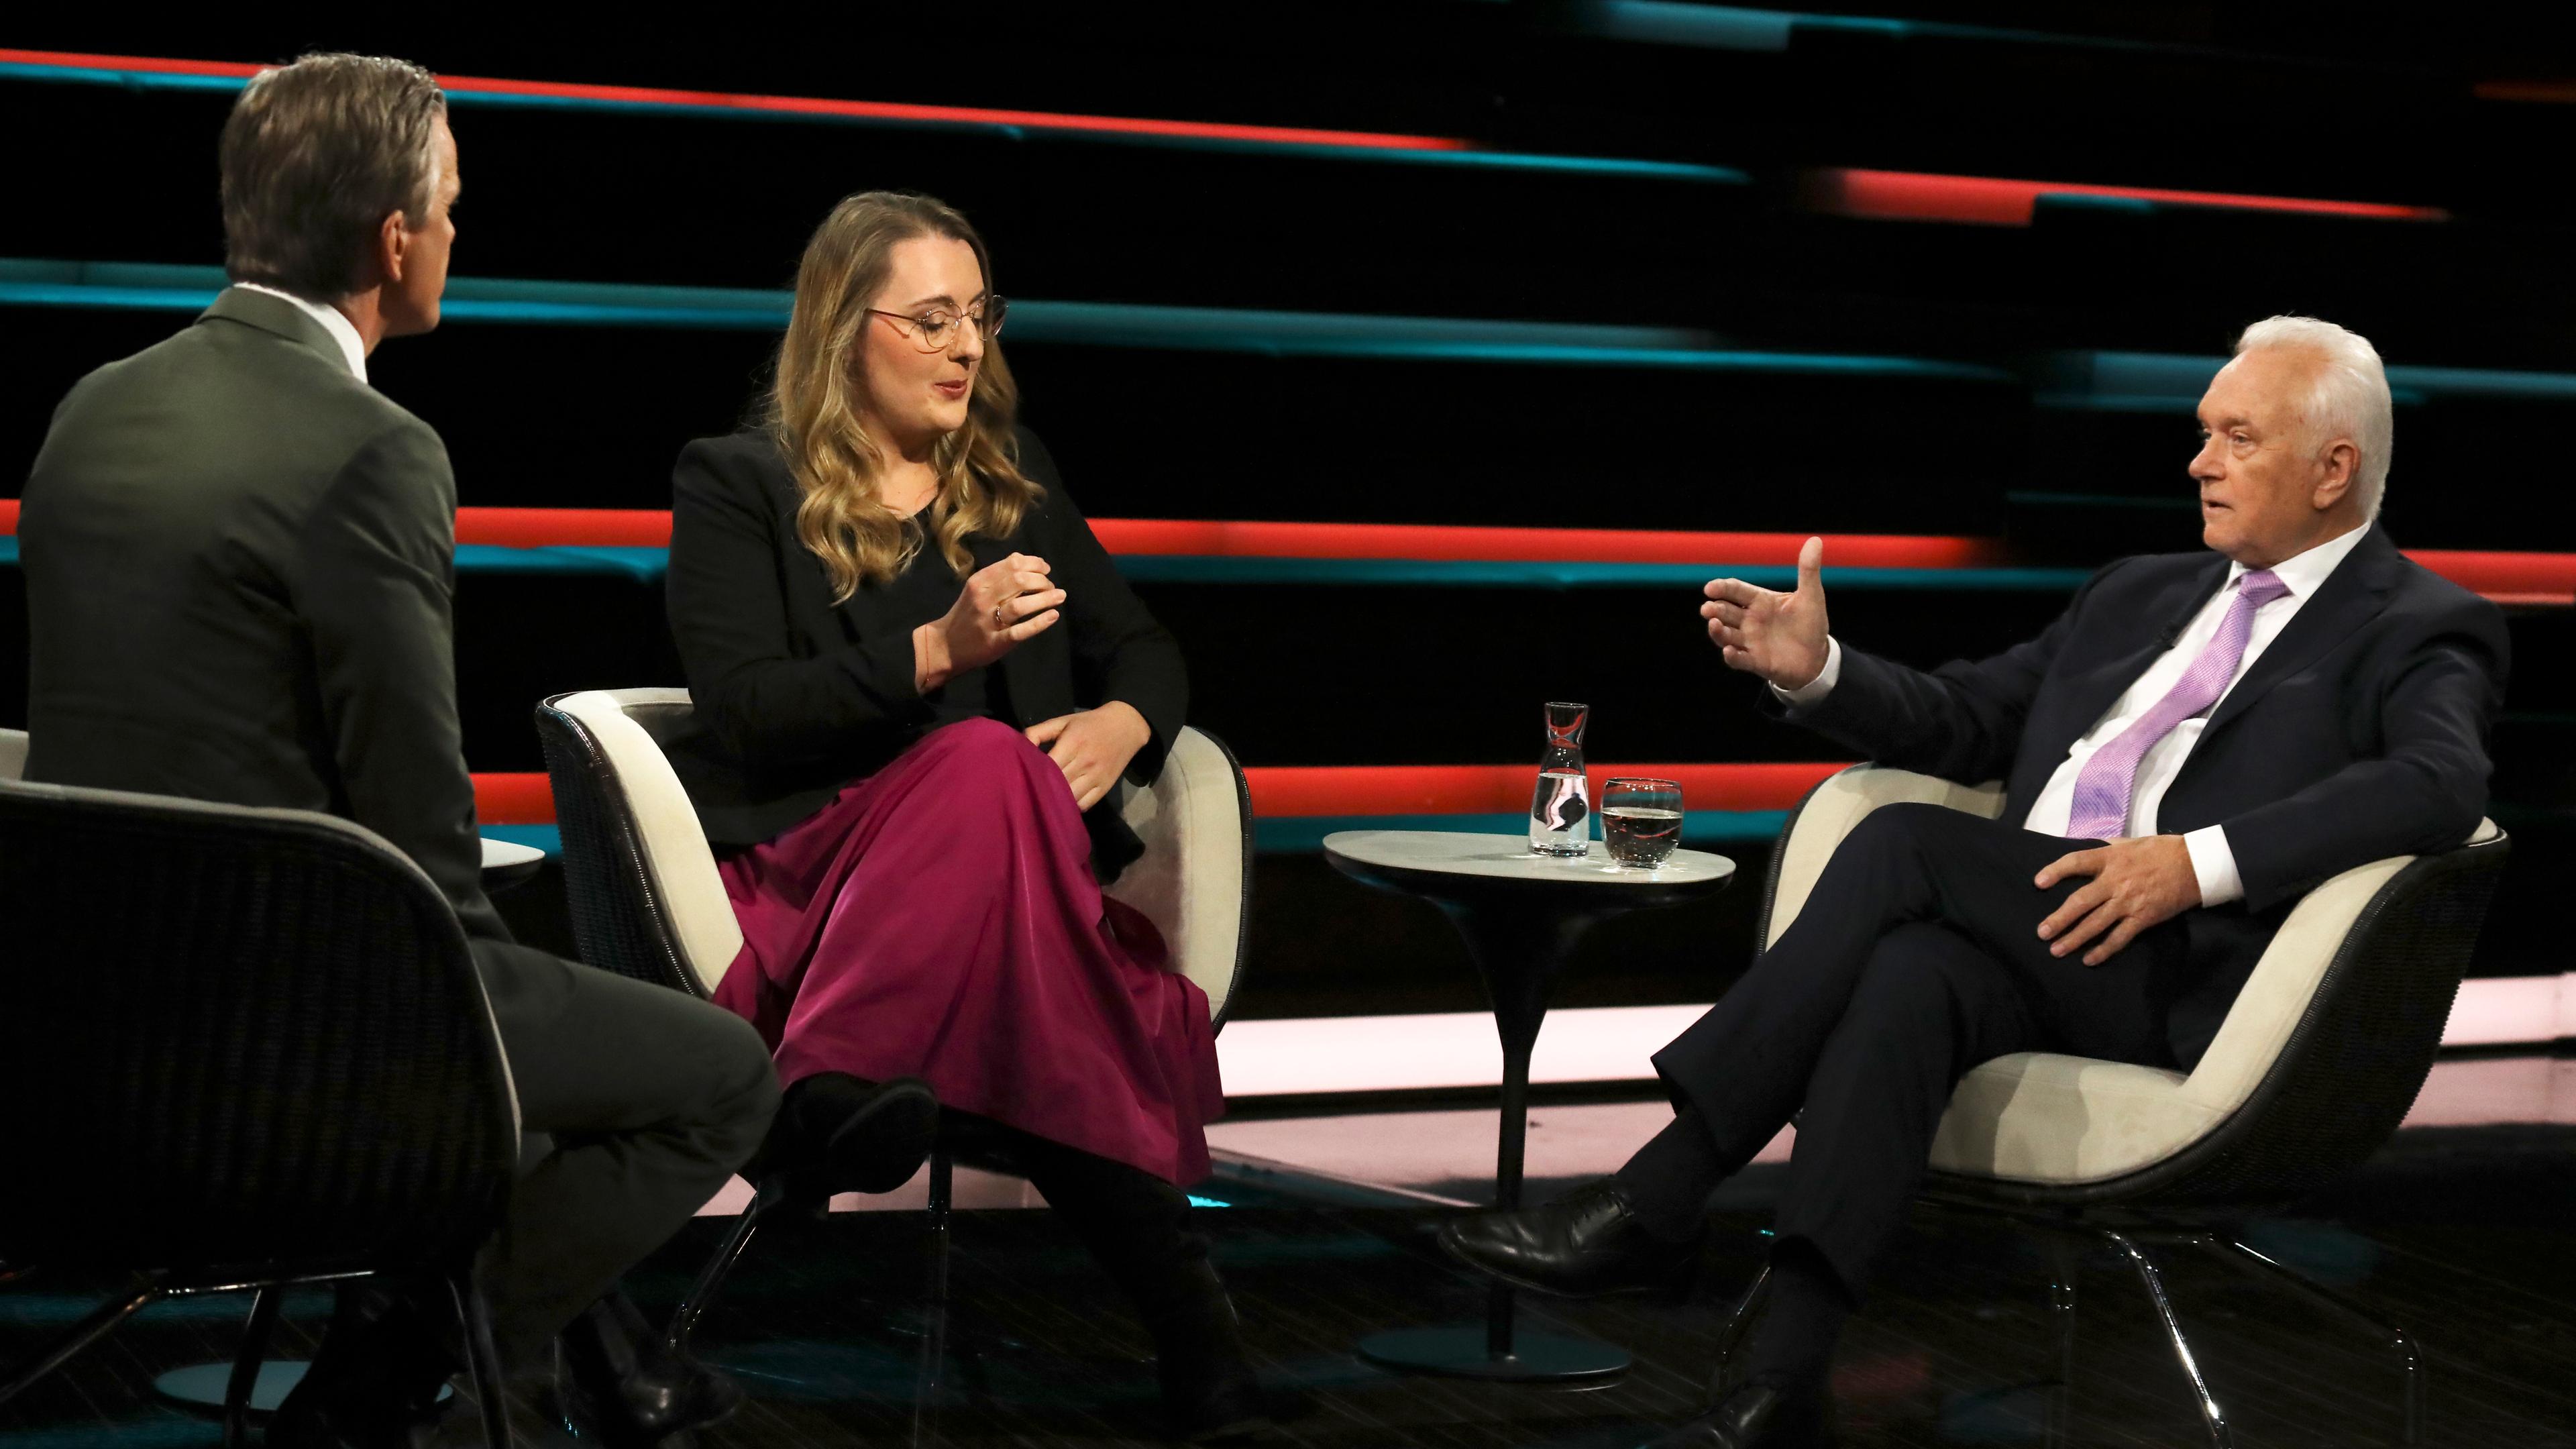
x=2446, y=107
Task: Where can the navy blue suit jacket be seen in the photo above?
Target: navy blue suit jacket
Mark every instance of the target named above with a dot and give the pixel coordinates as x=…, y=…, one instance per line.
x=2361, y=732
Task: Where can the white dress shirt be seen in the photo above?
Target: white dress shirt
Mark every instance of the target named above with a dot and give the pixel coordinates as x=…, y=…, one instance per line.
x=342, y=330
x=2211, y=859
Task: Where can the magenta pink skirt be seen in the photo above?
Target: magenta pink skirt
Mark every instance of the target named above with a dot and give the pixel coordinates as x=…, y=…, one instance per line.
x=940, y=919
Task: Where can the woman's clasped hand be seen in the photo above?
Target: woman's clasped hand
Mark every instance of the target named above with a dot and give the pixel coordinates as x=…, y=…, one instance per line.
x=1092, y=746
x=1003, y=604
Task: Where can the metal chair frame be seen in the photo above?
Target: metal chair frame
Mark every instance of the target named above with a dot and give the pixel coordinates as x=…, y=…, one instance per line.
x=2068, y=1235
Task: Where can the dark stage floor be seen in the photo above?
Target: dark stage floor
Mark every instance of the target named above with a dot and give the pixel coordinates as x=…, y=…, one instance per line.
x=2460, y=1234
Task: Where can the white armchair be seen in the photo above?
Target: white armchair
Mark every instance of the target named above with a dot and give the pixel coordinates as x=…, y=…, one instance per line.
x=2314, y=1067
x=647, y=902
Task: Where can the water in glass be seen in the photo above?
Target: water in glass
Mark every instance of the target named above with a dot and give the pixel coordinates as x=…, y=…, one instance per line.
x=1641, y=821
x=1560, y=809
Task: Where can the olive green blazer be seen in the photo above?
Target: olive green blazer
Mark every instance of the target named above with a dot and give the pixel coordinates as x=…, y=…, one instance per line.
x=240, y=562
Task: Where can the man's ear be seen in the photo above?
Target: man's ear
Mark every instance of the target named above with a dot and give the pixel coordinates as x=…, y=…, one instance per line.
x=393, y=247
x=2340, y=464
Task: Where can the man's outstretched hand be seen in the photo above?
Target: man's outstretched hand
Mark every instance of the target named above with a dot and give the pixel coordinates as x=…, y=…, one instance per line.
x=1761, y=631
x=2138, y=882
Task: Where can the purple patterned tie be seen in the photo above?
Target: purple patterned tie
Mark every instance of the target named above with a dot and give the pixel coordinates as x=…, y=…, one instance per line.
x=2101, y=808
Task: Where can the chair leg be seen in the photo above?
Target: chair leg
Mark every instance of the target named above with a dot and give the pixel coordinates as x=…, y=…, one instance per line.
x=98, y=1325
x=934, y=1335
x=1738, y=1324
x=768, y=1194
x=482, y=1359
x=2210, y=1416
x=2066, y=1261
x=2412, y=1422
x=246, y=1363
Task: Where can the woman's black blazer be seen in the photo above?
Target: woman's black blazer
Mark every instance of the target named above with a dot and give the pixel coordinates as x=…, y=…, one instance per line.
x=796, y=696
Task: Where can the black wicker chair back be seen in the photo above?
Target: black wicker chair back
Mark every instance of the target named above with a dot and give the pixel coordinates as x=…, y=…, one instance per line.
x=237, y=1037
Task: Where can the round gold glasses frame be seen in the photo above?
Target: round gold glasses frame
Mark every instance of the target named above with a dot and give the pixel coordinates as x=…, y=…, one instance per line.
x=931, y=331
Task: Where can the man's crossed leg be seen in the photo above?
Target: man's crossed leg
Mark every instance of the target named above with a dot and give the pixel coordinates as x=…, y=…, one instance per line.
x=1916, y=957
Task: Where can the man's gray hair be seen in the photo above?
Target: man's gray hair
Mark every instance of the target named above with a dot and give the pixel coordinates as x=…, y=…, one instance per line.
x=315, y=155
x=2349, y=399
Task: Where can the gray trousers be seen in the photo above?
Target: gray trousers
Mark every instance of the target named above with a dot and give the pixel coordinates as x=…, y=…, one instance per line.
x=650, y=1098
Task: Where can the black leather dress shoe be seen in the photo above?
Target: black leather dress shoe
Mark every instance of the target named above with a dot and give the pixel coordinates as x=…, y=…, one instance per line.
x=616, y=1382
x=1755, y=1416
x=1586, y=1243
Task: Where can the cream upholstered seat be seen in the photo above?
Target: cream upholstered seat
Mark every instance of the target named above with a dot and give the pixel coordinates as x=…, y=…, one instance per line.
x=2314, y=1067
x=647, y=902
x=13, y=754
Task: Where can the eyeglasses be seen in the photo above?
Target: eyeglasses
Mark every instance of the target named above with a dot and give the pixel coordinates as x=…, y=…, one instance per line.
x=931, y=331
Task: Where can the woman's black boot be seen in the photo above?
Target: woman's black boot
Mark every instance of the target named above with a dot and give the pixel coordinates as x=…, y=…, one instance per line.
x=837, y=1133
x=1137, y=1226
x=1209, y=1392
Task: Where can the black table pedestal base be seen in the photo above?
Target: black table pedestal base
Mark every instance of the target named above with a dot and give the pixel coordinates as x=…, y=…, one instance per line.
x=1521, y=933
x=1459, y=1351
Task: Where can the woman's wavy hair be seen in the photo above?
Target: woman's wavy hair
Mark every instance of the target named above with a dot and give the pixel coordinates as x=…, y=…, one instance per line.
x=813, y=407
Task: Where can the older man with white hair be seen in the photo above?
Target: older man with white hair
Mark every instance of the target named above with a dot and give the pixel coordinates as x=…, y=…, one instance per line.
x=2198, y=739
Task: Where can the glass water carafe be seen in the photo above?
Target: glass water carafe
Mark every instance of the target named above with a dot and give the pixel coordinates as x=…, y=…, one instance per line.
x=1560, y=808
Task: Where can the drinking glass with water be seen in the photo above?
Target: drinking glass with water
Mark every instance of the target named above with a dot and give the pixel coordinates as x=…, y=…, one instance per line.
x=1641, y=821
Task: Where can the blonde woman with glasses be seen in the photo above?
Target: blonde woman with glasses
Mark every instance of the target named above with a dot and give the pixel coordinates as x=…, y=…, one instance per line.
x=918, y=679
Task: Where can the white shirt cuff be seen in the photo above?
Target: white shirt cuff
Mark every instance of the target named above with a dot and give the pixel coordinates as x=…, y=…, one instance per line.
x=2214, y=864
x=1820, y=686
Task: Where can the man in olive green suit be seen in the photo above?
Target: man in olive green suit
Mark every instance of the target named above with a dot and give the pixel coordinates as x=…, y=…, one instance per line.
x=239, y=558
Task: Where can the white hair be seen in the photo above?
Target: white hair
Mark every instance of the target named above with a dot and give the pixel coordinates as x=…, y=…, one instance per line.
x=2348, y=400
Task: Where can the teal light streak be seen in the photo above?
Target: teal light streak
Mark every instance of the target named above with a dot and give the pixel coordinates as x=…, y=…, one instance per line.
x=537, y=302
x=1304, y=834
x=647, y=566
x=2173, y=382
x=548, y=838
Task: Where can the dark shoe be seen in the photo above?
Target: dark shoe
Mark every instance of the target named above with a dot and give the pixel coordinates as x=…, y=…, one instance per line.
x=1236, y=1413
x=836, y=1133
x=307, y=1421
x=1582, y=1245
x=1755, y=1416
x=1210, y=1395
x=616, y=1382
x=376, y=1380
